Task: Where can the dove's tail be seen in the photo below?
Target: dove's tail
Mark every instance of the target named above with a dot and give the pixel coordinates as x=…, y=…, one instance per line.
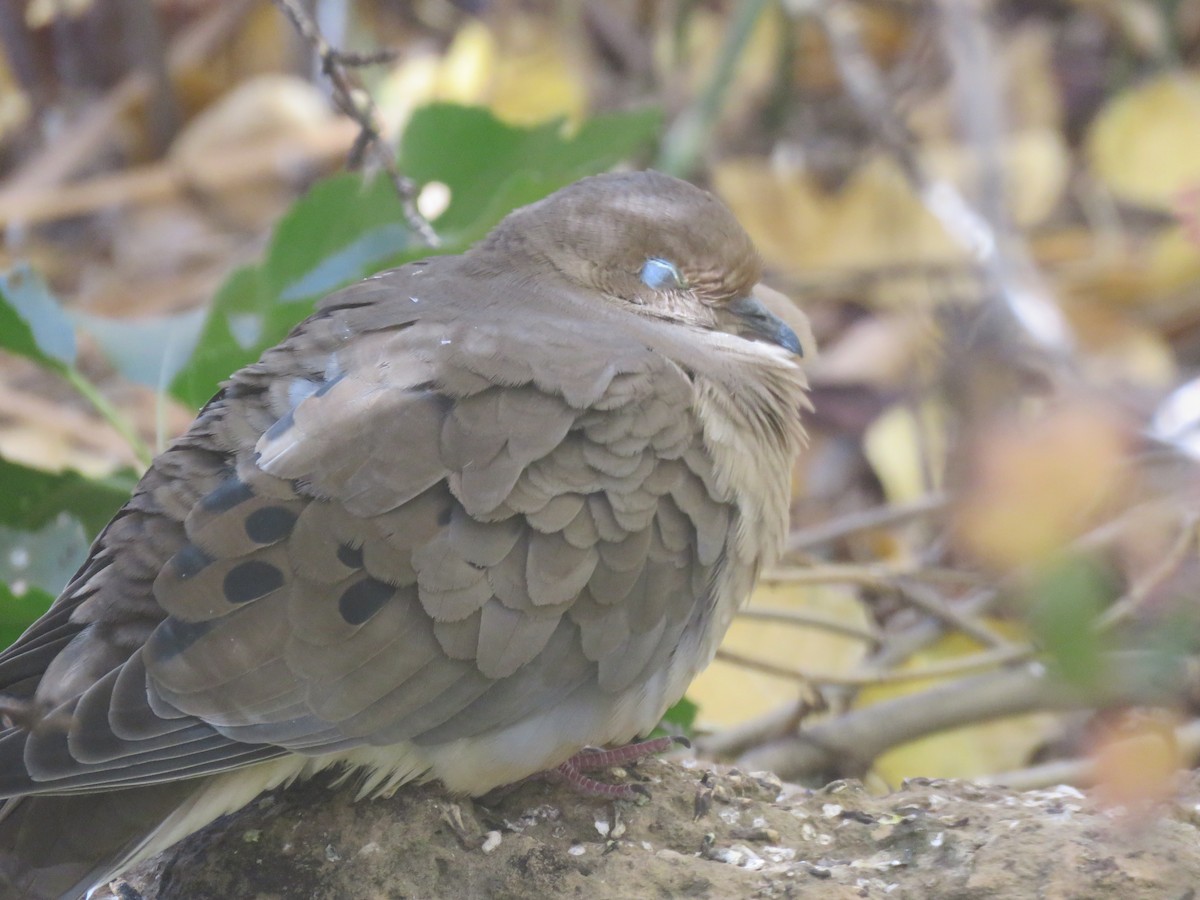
x=56, y=847
x=59, y=846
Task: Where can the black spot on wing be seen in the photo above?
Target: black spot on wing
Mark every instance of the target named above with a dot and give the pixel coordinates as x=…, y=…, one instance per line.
x=226, y=496
x=327, y=387
x=188, y=561
x=281, y=426
x=251, y=580
x=269, y=524
x=173, y=636
x=351, y=557
x=363, y=599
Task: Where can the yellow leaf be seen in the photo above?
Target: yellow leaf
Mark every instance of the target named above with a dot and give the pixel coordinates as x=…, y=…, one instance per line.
x=692, y=59
x=876, y=220
x=727, y=693
x=898, y=441
x=1142, y=146
x=522, y=72
x=961, y=752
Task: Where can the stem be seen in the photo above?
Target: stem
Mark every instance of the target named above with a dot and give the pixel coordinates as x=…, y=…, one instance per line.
x=109, y=413
x=683, y=141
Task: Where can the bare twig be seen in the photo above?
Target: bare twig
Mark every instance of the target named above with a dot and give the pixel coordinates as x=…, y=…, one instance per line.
x=800, y=619
x=688, y=135
x=872, y=677
x=1129, y=602
x=1082, y=772
x=983, y=235
x=361, y=60
x=871, y=575
x=359, y=106
x=780, y=721
x=930, y=603
x=849, y=743
x=901, y=645
x=1008, y=263
x=864, y=520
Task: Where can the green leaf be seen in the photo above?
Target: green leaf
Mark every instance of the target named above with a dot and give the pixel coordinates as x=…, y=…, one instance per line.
x=1067, y=601
x=47, y=523
x=30, y=498
x=148, y=349
x=19, y=611
x=338, y=233
x=347, y=228
x=497, y=167
x=32, y=324
x=45, y=558
x=681, y=717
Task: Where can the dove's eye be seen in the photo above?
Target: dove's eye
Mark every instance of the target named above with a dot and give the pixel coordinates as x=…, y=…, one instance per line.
x=659, y=274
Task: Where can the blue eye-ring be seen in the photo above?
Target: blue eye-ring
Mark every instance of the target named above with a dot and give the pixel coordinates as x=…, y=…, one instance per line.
x=658, y=273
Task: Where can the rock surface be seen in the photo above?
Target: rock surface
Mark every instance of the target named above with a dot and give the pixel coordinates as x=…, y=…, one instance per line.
x=705, y=833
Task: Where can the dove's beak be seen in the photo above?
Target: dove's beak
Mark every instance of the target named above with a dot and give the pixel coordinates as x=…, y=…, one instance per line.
x=760, y=322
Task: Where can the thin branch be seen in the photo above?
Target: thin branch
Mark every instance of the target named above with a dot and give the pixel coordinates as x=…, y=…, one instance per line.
x=799, y=619
x=849, y=743
x=162, y=181
x=1140, y=590
x=873, y=677
x=359, y=106
x=362, y=60
x=1082, y=772
x=934, y=605
x=689, y=133
x=864, y=520
x=110, y=414
x=983, y=236
x=874, y=576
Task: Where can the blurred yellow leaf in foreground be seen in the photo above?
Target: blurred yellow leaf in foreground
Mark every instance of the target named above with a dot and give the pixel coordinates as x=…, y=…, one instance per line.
x=1037, y=485
x=1142, y=146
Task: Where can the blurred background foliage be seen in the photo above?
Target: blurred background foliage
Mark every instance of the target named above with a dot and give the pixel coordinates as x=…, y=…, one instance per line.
x=989, y=208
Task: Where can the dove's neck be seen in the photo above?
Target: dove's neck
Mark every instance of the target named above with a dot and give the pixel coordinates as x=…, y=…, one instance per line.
x=748, y=401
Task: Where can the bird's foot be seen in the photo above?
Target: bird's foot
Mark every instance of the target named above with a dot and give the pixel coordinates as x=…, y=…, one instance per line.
x=589, y=760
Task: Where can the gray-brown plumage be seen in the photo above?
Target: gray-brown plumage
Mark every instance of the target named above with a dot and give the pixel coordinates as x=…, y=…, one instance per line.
x=473, y=515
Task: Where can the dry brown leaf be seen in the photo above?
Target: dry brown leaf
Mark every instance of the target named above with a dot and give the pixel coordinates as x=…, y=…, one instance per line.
x=1136, y=757
x=1119, y=349
x=881, y=350
x=264, y=109
x=885, y=31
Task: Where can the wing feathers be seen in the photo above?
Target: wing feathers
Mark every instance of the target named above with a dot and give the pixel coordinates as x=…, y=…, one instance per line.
x=426, y=534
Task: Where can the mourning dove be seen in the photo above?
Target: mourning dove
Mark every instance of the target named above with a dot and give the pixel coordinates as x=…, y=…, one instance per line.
x=473, y=515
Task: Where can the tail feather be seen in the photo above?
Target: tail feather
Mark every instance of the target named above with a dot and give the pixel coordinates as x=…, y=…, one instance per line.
x=57, y=847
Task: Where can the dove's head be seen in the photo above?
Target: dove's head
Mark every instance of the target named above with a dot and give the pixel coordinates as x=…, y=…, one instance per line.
x=655, y=243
